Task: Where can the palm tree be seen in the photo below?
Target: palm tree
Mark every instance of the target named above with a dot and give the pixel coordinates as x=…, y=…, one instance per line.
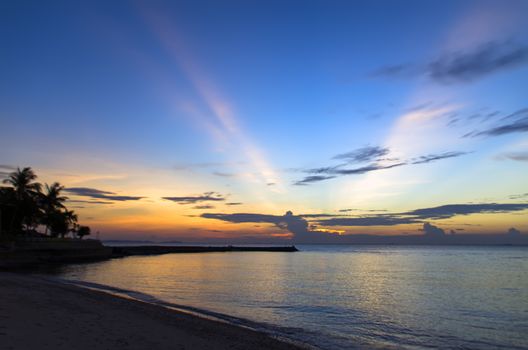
x=71, y=220
x=52, y=201
x=26, y=191
x=22, y=183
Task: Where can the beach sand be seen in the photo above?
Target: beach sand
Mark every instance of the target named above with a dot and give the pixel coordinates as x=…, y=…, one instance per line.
x=36, y=313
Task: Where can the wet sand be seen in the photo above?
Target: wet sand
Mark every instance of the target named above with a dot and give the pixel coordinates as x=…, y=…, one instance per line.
x=36, y=313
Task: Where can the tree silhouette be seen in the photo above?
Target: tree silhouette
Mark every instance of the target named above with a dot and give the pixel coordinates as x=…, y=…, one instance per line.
x=52, y=202
x=71, y=220
x=23, y=207
x=83, y=231
x=26, y=190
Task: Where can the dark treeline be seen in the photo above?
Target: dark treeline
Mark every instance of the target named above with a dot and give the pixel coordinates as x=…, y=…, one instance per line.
x=26, y=206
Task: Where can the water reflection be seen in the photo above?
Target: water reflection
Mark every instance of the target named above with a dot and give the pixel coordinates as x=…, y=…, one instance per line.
x=337, y=297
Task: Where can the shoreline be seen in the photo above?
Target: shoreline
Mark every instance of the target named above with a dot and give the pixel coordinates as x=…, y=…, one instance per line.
x=64, y=315
x=34, y=252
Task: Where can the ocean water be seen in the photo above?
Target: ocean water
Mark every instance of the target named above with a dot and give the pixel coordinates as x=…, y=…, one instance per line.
x=342, y=297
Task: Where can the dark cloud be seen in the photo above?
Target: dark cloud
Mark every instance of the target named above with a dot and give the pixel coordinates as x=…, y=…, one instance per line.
x=450, y=210
x=364, y=154
x=243, y=217
x=295, y=224
x=304, y=231
x=519, y=196
x=371, y=220
x=271, y=184
x=463, y=66
x=346, y=210
x=207, y=196
x=365, y=210
x=314, y=178
x=513, y=123
x=323, y=170
x=367, y=153
x=472, y=65
x=88, y=202
x=432, y=230
x=514, y=232
x=517, y=156
x=366, y=169
x=338, y=171
x=520, y=125
x=205, y=206
x=234, y=203
x=99, y=194
x=389, y=219
x=433, y=157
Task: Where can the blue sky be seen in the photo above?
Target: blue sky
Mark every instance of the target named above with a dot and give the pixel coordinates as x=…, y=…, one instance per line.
x=248, y=99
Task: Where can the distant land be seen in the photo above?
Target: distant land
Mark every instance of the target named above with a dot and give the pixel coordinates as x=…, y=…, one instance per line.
x=508, y=239
x=447, y=239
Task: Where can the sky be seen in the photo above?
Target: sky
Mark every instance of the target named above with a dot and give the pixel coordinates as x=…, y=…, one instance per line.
x=257, y=120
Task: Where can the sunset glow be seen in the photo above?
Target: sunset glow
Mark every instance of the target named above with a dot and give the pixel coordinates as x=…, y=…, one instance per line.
x=170, y=122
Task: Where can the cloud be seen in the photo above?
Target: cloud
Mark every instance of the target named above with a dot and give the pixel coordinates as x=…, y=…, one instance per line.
x=88, y=202
x=371, y=220
x=513, y=123
x=520, y=125
x=517, y=156
x=234, y=203
x=419, y=215
x=207, y=196
x=364, y=154
x=432, y=230
x=433, y=157
x=519, y=196
x=450, y=210
x=295, y=224
x=222, y=174
x=463, y=66
x=305, y=230
x=472, y=65
x=243, y=217
x=313, y=178
x=342, y=172
x=99, y=194
x=514, y=232
x=367, y=153
x=386, y=219
x=205, y=206
x=351, y=209
x=366, y=169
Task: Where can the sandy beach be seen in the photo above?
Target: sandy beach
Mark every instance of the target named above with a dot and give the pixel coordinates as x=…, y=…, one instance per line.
x=36, y=313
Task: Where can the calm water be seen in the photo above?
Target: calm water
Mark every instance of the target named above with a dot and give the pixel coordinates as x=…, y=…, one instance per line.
x=338, y=297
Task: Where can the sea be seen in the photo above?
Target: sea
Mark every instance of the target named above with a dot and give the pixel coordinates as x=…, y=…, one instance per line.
x=339, y=297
